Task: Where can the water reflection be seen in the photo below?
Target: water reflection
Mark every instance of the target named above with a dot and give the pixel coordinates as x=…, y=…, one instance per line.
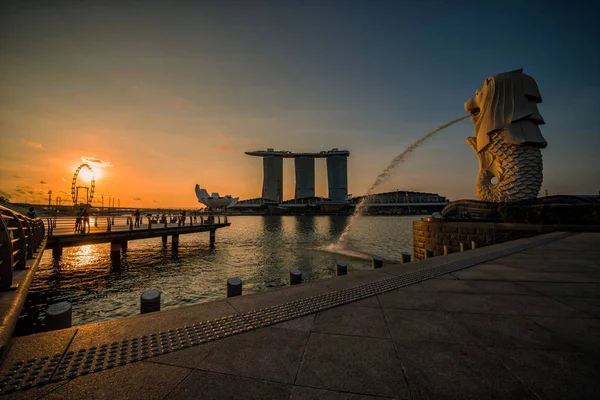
x=259, y=249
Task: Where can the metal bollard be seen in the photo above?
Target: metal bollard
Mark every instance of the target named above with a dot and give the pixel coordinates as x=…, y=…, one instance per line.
x=474, y=244
x=461, y=246
x=191, y=221
x=428, y=253
x=149, y=223
x=113, y=221
x=59, y=316
x=166, y=226
x=130, y=224
x=234, y=287
x=108, y=225
x=340, y=268
x=150, y=301
x=377, y=262
x=295, y=276
x=405, y=258
x=446, y=249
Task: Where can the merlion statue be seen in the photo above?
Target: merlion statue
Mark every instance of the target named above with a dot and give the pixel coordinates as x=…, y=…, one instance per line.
x=507, y=138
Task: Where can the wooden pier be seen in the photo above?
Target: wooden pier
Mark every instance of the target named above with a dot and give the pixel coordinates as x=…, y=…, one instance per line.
x=118, y=231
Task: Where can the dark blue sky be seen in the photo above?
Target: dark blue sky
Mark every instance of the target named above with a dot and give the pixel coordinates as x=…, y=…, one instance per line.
x=370, y=76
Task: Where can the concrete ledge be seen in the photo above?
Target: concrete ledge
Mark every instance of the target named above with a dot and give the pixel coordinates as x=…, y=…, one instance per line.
x=12, y=301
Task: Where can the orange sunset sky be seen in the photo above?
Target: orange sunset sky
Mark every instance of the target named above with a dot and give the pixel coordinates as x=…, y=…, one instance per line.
x=169, y=94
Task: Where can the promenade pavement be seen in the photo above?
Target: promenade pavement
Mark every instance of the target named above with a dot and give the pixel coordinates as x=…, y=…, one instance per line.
x=522, y=326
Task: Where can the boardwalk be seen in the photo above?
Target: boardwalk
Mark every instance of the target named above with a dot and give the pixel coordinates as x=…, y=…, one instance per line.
x=517, y=320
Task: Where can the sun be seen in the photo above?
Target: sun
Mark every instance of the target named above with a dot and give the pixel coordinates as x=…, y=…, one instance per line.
x=86, y=175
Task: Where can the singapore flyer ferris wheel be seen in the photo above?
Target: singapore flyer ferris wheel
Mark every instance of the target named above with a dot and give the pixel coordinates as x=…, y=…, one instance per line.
x=89, y=191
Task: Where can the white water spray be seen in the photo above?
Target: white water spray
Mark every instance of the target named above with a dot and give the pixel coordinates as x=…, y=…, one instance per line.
x=381, y=178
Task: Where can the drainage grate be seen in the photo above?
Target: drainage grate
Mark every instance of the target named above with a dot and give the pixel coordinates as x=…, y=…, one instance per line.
x=38, y=372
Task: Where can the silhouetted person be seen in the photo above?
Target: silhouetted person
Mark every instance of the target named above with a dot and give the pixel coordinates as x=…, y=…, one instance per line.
x=78, y=220
x=137, y=218
x=86, y=221
x=31, y=213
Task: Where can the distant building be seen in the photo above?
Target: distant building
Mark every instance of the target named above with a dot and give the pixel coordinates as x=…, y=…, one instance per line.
x=337, y=173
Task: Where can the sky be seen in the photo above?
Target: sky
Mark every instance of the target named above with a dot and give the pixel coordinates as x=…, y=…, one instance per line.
x=161, y=95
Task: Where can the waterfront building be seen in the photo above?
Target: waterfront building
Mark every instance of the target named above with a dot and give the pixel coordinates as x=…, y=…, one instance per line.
x=337, y=173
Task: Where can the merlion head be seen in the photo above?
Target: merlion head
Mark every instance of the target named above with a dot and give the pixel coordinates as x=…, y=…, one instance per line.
x=507, y=101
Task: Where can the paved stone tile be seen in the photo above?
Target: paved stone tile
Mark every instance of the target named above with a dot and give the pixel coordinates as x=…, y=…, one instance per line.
x=298, y=324
x=352, y=364
x=471, y=286
x=210, y=385
x=126, y=328
x=270, y=354
x=134, y=381
x=38, y=345
x=305, y=393
x=427, y=326
x=354, y=321
x=556, y=375
x=355, y=279
x=33, y=394
x=189, y=358
x=368, y=302
x=507, y=304
x=446, y=276
x=473, y=273
x=525, y=276
x=439, y=371
x=551, y=265
x=257, y=301
x=411, y=299
x=513, y=331
x=581, y=332
x=564, y=289
x=590, y=306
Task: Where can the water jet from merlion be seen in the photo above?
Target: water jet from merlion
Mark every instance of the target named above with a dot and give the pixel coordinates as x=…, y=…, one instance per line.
x=382, y=177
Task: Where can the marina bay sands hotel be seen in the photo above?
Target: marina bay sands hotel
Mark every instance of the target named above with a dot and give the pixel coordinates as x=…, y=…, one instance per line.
x=337, y=173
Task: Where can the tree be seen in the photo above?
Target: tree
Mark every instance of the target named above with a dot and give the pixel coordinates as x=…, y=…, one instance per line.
x=4, y=199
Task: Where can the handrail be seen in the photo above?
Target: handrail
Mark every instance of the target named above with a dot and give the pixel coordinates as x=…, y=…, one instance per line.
x=20, y=236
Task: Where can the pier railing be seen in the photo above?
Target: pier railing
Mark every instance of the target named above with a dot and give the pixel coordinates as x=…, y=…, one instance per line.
x=19, y=237
x=97, y=223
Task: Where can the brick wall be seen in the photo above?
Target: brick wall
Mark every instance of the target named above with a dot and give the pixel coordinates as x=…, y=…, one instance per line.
x=435, y=234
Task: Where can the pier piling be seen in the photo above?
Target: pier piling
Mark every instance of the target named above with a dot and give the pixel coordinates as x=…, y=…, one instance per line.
x=340, y=268
x=213, y=235
x=115, y=253
x=174, y=243
x=377, y=262
x=150, y=301
x=59, y=316
x=295, y=276
x=164, y=240
x=234, y=287
x=57, y=253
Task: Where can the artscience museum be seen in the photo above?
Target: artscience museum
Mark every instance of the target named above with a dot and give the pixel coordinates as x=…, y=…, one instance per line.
x=214, y=201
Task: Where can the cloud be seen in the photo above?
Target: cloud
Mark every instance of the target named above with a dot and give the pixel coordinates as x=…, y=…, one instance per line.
x=31, y=143
x=18, y=177
x=224, y=147
x=63, y=179
x=155, y=201
x=224, y=136
x=30, y=191
x=19, y=191
x=43, y=182
x=96, y=162
x=137, y=199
